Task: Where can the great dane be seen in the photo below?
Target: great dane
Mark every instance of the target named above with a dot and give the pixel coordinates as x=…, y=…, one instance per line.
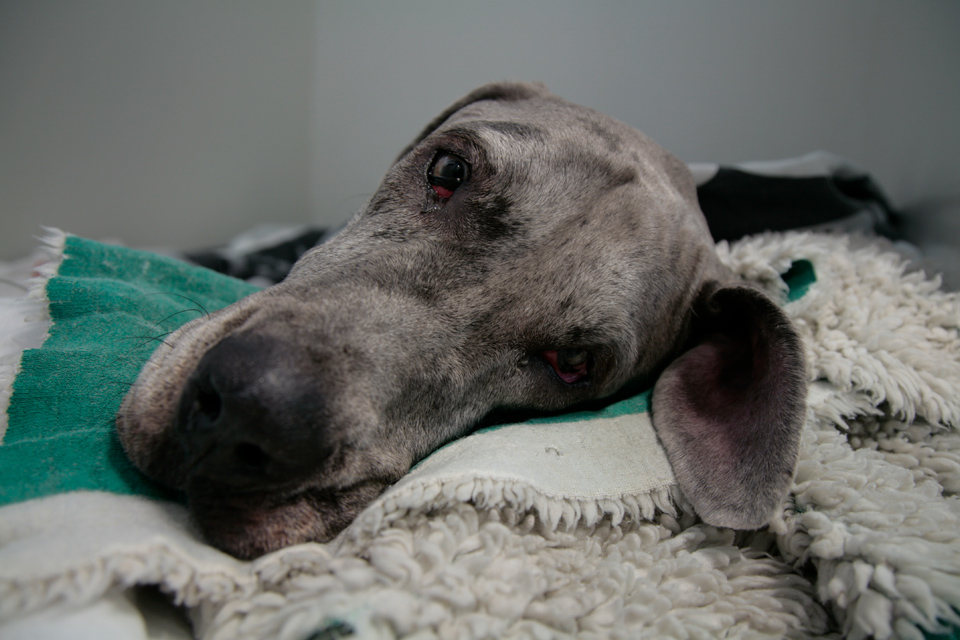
x=522, y=252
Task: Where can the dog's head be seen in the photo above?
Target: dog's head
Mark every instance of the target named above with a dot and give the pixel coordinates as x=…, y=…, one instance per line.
x=522, y=252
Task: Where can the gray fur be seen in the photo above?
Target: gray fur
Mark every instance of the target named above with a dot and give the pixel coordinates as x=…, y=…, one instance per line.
x=285, y=414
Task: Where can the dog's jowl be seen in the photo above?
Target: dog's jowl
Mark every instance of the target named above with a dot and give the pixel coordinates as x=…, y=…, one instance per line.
x=522, y=252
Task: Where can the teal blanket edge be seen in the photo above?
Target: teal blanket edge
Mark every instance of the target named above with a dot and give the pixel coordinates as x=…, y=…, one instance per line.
x=110, y=308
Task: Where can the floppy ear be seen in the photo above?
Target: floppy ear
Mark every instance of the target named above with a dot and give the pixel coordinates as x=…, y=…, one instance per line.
x=507, y=91
x=730, y=409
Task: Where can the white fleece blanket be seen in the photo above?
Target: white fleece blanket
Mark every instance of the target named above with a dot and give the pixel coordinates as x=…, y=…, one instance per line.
x=575, y=529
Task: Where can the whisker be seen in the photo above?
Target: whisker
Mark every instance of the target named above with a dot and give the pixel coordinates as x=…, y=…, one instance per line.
x=157, y=324
x=173, y=315
x=121, y=383
x=147, y=339
x=178, y=295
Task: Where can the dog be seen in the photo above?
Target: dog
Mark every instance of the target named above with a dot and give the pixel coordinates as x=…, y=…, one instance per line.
x=523, y=252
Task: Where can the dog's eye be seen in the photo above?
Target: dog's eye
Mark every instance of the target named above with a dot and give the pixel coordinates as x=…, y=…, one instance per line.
x=446, y=173
x=570, y=364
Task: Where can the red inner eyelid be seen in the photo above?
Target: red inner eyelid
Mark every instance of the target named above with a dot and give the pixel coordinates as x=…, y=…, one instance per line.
x=441, y=191
x=569, y=377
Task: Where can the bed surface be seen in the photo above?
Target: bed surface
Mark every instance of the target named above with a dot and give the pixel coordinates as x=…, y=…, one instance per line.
x=572, y=541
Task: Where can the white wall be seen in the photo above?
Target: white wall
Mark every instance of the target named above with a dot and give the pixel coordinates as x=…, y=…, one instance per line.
x=876, y=81
x=182, y=123
x=167, y=122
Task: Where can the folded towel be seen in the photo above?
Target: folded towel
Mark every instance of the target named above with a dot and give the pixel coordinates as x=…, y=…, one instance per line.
x=110, y=308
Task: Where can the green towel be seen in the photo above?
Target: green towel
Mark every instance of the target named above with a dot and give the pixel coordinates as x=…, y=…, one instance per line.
x=110, y=307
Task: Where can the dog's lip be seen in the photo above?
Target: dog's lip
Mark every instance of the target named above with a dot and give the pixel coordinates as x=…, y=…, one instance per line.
x=237, y=523
x=201, y=489
x=203, y=486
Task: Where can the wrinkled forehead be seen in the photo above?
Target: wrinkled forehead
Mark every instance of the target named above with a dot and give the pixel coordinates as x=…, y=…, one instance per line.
x=568, y=137
x=550, y=111
x=545, y=120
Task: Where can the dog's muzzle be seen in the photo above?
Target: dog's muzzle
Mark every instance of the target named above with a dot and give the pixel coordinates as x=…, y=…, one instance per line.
x=249, y=418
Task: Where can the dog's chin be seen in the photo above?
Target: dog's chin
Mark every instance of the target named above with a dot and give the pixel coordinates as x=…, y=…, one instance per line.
x=247, y=526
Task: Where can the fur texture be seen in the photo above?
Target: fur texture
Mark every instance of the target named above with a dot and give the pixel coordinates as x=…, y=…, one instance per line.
x=523, y=253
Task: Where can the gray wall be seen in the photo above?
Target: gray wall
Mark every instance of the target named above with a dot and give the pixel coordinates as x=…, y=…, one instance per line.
x=166, y=122
x=181, y=124
x=877, y=82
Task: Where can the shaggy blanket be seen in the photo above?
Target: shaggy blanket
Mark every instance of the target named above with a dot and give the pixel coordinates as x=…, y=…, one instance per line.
x=867, y=543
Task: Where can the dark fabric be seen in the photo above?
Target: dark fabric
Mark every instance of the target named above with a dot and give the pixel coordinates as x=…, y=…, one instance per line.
x=737, y=203
x=271, y=263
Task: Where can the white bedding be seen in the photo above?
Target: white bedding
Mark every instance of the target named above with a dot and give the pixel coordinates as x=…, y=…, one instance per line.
x=868, y=542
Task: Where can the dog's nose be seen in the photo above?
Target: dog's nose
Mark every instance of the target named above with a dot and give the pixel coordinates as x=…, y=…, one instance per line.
x=252, y=415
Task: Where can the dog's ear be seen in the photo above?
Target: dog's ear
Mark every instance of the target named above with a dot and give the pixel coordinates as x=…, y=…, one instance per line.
x=729, y=410
x=506, y=91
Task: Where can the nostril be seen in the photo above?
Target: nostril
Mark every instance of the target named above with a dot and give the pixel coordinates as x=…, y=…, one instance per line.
x=208, y=402
x=249, y=415
x=251, y=457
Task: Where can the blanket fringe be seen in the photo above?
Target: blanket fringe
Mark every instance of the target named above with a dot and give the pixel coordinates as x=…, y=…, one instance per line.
x=554, y=513
x=157, y=546
x=26, y=320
